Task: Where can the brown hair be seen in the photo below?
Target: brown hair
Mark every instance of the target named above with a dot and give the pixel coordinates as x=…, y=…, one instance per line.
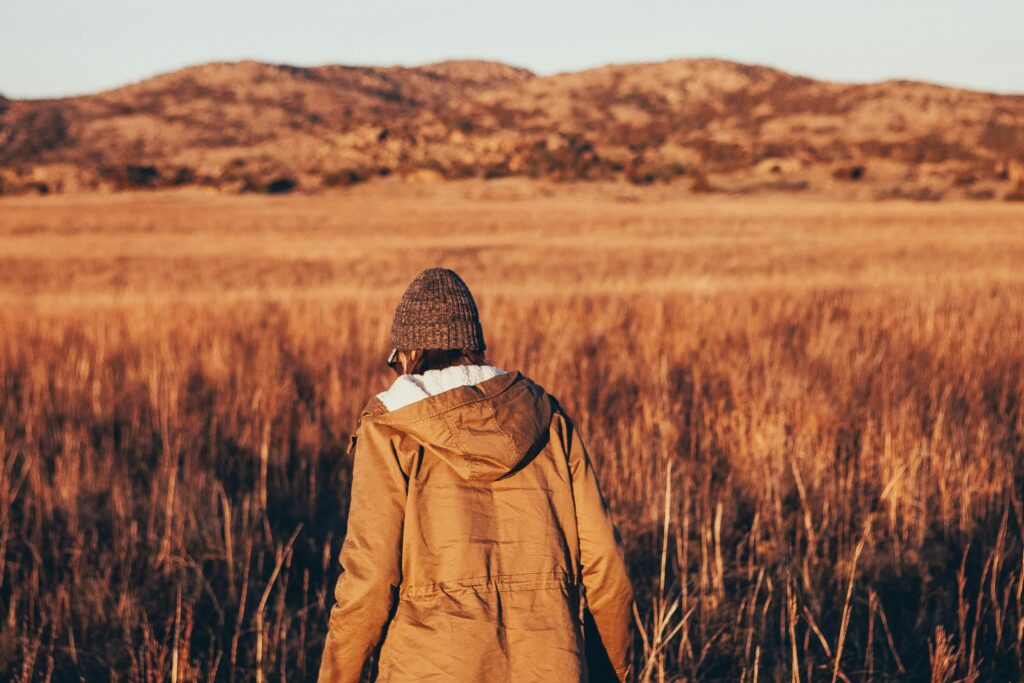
x=438, y=359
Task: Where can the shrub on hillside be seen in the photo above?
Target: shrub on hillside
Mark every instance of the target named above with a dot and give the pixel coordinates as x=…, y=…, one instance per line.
x=854, y=173
x=33, y=132
x=343, y=178
x=281, y=185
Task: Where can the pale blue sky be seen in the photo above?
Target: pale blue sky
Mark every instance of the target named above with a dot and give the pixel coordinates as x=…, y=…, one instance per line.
x=60, y=47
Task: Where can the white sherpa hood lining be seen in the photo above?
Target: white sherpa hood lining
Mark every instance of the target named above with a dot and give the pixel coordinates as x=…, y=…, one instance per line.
x=408, y=389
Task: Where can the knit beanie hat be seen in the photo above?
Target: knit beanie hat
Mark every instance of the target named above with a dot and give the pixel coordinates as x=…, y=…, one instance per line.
x=437, y=312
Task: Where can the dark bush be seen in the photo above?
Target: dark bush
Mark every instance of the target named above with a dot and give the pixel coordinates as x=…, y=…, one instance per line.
x=645, y=174
x=32, y=133
x=459, y=171
x=141, y=176
x=965, y=179
x=183, y=175
x=343, y=178
x=574, y=159
x=1003, y=137
x=497, y=171
x=281, y=185
x=130, y=176
x=917, y=194
x=853, y=173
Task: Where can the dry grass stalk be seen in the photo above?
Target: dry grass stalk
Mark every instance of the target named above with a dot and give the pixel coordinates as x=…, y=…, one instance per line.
x=781, y=377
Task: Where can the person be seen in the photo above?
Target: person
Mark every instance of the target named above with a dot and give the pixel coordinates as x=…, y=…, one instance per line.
x=479, y=546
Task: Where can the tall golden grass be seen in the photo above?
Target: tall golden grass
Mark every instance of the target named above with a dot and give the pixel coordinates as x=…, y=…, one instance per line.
x=808, y=420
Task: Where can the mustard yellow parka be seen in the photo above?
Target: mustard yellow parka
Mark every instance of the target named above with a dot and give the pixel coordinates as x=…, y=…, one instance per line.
x=479, y=546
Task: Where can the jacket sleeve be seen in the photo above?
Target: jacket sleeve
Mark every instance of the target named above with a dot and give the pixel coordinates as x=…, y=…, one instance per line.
x=370, y=557
x=608, y=592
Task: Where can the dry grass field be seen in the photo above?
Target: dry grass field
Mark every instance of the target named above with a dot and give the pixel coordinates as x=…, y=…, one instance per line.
x=808, y=418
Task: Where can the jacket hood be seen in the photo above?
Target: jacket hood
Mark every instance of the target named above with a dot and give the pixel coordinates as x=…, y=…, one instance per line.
x=483, y=431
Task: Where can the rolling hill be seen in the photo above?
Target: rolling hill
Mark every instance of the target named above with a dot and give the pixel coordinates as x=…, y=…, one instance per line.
x=707, y=124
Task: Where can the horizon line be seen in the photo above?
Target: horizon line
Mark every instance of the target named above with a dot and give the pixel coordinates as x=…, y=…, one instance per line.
x=535, y=72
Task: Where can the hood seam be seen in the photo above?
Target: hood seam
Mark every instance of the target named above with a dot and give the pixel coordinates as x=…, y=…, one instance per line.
x=510, y=442
x=458, y=444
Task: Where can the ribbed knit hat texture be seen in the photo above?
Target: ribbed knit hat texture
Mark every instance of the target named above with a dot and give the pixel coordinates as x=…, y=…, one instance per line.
x=437, y=311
